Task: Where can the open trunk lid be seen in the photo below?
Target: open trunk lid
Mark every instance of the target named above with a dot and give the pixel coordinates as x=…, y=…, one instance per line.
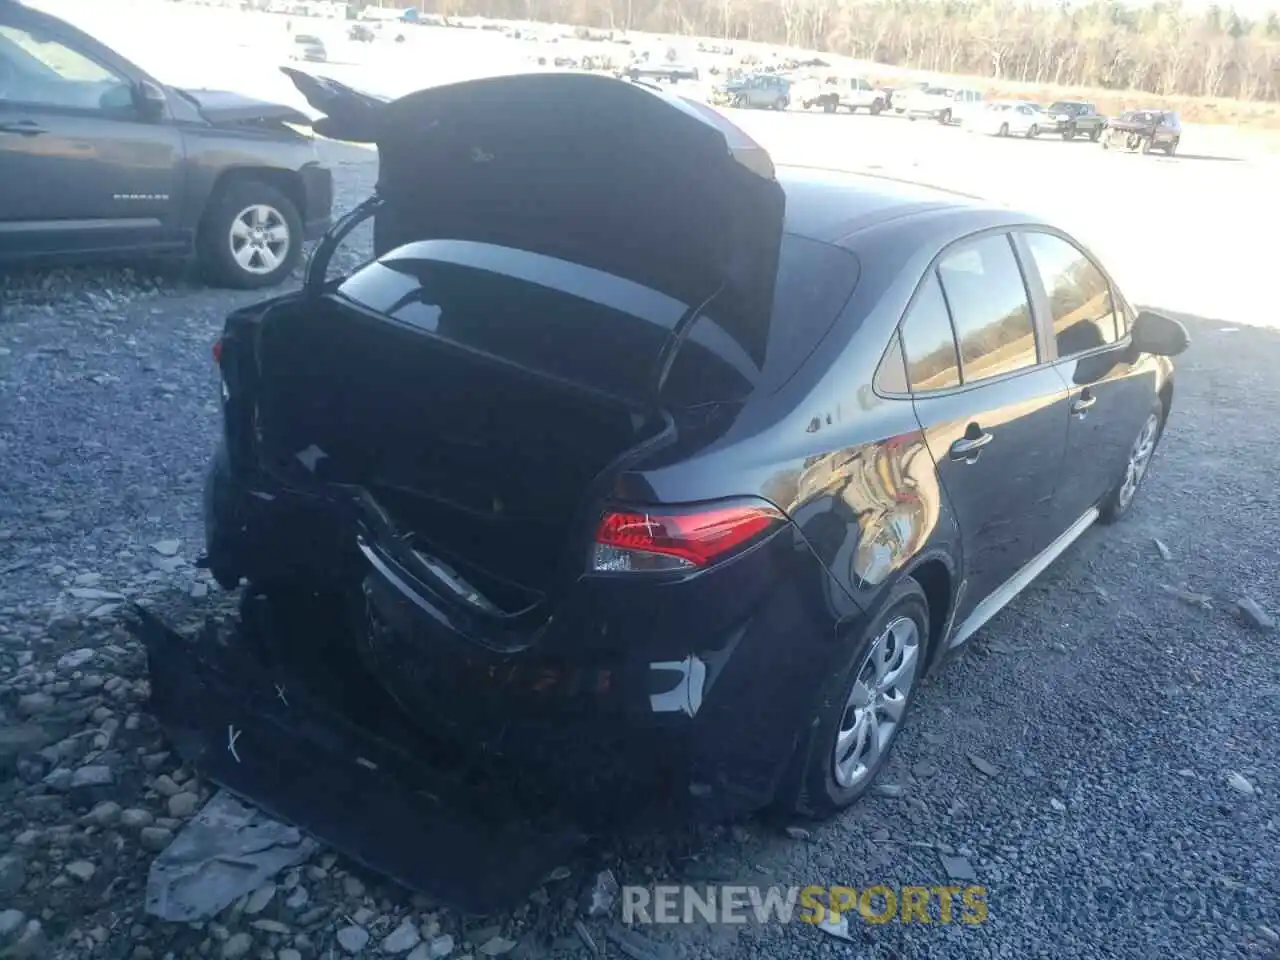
x=615, y=176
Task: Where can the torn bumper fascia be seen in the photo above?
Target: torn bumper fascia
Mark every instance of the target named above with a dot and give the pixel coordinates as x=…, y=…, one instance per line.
x=264, y=736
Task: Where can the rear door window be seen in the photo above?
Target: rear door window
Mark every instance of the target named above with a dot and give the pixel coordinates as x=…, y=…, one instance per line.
x=928, y=341
x=1080, y=302
x=990, y=308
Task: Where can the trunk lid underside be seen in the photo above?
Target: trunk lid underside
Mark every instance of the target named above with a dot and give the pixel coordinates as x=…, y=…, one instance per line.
x=596, y=171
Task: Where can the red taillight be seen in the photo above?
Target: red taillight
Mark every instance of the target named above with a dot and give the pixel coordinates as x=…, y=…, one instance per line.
x=217, y=351
x=678, y=539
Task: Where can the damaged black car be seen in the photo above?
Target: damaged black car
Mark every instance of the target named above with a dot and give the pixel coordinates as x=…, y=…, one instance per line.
x=632, y=471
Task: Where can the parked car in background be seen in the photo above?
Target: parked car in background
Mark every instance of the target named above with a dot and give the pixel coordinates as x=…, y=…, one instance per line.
x=668, y=565
x=767, y=91
x=1073, y=118
x=361, y=33
x=308, y=47
x=840, y=93
x=1008, y=118
x=900, y=97
x=660, y=70
x=1144, y=131
x=112, y=161
x=944, y=104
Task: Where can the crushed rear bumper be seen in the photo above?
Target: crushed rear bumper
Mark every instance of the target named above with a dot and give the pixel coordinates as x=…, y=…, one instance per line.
x=345, y=769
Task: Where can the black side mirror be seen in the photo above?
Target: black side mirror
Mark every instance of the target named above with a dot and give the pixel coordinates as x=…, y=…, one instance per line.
x=1157, y=334
x=151, y=101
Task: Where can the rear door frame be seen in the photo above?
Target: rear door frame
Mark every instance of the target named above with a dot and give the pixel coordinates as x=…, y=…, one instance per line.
x=1046, y=357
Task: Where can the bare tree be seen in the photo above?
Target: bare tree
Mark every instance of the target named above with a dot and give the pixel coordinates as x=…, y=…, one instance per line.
x=1164, y=49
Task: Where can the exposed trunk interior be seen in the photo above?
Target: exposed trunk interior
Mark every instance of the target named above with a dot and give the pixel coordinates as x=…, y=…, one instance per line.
x=484, y=464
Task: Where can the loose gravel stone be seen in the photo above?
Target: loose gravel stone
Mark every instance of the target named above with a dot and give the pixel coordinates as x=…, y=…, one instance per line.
x=402, y=939
x=353, y=939
x=236, y=946
x=183, y=805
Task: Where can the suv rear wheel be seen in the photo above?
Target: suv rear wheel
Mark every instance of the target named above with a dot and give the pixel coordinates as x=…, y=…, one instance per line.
x=251, y=236
x=860, y=714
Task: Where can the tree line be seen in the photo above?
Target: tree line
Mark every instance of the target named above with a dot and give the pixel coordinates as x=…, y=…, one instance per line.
x=1164, y=49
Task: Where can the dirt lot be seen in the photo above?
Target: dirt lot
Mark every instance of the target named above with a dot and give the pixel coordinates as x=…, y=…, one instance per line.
x=1103, y=759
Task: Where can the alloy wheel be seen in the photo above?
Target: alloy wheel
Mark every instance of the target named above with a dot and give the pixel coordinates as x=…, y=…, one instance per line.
x=877, y=702
x=259, y=239
x=1139, y=460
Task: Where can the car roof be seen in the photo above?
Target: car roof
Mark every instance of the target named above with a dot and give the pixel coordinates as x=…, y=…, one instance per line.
x=830, y=205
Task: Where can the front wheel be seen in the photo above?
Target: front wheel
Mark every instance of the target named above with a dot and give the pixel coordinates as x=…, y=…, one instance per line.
x=1004, y=130
x=1095, y=133
x=828, y=106
x=1032, y=132
x=1117, y=503
x=945, y=117
x=1172, y=148
x=861, y=712
x=250, y=236
x=1069, y=133
x=877, y=108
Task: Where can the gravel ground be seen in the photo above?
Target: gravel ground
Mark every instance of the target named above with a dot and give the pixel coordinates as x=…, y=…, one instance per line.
x=1103, y=759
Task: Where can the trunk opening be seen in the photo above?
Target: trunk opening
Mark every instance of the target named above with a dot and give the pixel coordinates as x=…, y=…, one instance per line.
x=478, y=462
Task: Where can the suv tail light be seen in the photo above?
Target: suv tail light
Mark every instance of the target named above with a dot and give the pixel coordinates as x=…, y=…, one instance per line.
x=217, y=351
x=669, y=539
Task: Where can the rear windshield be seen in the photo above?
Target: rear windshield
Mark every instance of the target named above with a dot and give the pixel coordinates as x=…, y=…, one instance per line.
x=589, y=327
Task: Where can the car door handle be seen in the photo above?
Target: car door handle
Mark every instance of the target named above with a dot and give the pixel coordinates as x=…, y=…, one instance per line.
x=966, y=448
x=26, y=128
x=1082, y=404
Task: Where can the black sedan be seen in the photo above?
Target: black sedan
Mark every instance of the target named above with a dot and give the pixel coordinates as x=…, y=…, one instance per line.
x=631, y=460
x=110, y=161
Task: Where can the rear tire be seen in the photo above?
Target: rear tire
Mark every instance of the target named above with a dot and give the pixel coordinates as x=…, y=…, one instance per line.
x=828, y=106
x=232, y=252
x=1116, y=505
x=1032, y=132
x=1004, y=130
x=1069, y=133
x=1095, y=133
x=944, y=118
x=1172, y=148
x=897, y=637
x=877, y=108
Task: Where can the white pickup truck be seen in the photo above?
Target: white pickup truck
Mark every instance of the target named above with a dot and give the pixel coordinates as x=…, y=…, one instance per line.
x=841, y=93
